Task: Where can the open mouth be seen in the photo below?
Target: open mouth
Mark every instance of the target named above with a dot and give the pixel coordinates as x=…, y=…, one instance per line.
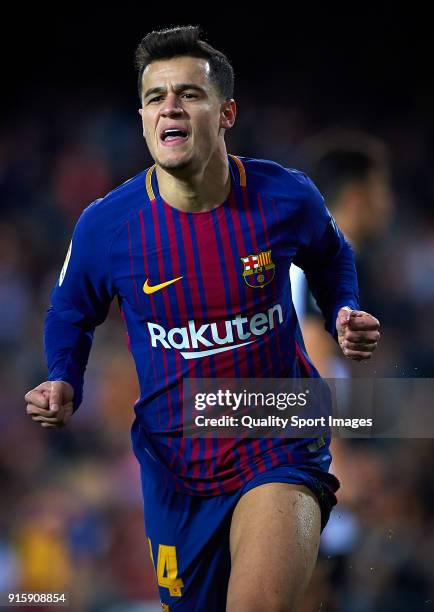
x=173, y=136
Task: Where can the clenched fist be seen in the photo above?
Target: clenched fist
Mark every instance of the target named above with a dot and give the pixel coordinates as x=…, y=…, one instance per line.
x=50, y=403
x=358, y=333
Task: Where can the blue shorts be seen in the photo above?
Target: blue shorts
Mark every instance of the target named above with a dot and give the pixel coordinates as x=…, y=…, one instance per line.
x=189, y=535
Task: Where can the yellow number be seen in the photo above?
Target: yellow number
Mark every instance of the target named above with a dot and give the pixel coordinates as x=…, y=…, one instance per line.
x=167, y=569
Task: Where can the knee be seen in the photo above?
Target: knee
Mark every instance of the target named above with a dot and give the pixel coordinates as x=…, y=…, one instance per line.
x=259, y=603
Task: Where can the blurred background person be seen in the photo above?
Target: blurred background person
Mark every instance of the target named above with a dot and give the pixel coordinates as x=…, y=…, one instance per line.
x=351, y=170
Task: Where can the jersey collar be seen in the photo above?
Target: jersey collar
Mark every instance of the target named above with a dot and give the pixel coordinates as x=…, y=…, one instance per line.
x=236, y=168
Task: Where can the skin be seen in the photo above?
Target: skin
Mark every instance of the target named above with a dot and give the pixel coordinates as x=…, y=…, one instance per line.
x=363, y=208
x=50, y=403
x=358, y=333
x=275, y=527
x=274, y=541
x=194, y=175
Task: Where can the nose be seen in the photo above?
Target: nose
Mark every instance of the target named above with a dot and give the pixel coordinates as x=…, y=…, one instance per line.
x=171, y=106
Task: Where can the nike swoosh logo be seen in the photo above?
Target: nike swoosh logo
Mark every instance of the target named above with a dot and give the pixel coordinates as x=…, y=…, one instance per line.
x=148, y=289
x=196, y=354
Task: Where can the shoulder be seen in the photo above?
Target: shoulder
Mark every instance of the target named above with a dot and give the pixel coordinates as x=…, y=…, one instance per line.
x=108, y=212
x=267, y=174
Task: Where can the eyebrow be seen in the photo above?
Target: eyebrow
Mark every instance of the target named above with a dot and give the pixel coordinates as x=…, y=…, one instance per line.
x=178, y=88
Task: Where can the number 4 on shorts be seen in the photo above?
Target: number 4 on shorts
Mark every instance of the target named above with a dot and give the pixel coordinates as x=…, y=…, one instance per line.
x=167, y=569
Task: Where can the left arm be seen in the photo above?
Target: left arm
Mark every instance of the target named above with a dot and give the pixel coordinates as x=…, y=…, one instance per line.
x=328, y=262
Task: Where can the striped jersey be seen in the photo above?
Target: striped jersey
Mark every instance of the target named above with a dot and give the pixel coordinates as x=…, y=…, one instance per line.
x=202, y=295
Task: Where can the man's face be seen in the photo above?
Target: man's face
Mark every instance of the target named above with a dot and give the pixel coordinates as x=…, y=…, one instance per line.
x=182, y=115
x=378, y=205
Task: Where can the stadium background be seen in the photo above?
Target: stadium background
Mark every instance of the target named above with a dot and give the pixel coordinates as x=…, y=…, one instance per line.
x=71, y=507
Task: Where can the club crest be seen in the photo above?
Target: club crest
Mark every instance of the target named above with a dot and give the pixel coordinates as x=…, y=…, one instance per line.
x=258, y=269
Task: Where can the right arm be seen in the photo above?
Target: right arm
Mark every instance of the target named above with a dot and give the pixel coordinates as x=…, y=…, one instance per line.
x=80, y=301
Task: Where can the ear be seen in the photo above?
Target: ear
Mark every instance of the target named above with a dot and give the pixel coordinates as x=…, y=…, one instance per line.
x=228, y=112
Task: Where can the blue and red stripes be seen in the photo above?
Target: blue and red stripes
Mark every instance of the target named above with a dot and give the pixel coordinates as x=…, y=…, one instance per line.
x=205, y=249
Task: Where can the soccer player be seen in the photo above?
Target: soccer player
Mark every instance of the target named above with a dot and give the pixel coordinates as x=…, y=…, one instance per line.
x=196, y=249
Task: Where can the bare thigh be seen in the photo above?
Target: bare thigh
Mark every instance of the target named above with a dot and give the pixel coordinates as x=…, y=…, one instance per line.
x=274, y=542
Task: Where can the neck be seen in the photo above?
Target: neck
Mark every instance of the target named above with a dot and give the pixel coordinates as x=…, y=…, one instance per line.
x=200, y=191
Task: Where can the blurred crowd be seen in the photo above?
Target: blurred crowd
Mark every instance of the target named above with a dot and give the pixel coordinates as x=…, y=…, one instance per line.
x=71, y=517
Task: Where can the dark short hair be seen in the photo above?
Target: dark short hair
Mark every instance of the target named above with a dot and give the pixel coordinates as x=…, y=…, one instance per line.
x=184, y=41
x=338, y=157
